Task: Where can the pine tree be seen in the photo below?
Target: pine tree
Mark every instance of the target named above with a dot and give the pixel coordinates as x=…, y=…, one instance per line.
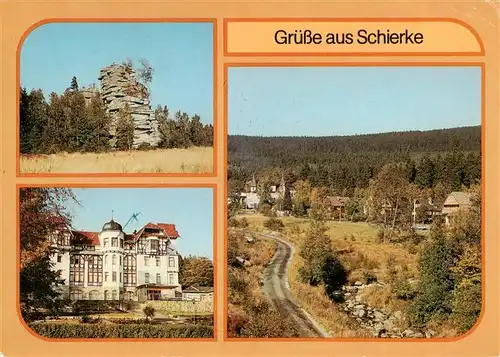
x=196, y=131
x=80, y=129
x=34, y=119
x=25, y=121
x=74, y=85
x=124, y=130
x=99, y=122
x=287, y=200
x=434, y=299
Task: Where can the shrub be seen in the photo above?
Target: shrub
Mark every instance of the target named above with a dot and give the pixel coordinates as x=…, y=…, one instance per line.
x=57, y=330
x=264, y=321
x=233, y=222
x=149, y=311
x=235, y=323
x=274, y=224
x=144, y=147
x=403, y=290
x=266, y=210
x=244, y=222
x=85, y=319
x=466, y=306
x=357, y=217
x=369, y=277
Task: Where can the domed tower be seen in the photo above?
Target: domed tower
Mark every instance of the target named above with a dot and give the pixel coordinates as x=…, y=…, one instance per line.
x=111, y=239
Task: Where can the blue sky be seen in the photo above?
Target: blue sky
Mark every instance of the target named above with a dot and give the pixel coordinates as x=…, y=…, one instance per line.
x=190, y=209
x=323, y=101
x=180, y=53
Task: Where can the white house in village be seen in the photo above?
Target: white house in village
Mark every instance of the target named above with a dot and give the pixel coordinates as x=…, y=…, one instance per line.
x=113, y=265
x=250, y=199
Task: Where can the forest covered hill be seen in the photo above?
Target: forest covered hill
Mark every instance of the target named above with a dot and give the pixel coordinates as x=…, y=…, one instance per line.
x=449, y=156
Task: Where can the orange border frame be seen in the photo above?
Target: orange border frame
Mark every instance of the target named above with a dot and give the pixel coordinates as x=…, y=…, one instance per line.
x=114, y=20
x=158, y=186
x=483, y=190
x=326, y=54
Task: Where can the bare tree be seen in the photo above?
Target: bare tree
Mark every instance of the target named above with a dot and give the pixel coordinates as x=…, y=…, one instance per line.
x=146, y=73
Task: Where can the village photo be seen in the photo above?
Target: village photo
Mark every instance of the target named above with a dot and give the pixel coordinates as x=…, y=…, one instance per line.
x=117, y=262
x=117, y=98
x=354, y=202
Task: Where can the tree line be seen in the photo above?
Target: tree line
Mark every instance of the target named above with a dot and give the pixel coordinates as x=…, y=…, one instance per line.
x=66, y=123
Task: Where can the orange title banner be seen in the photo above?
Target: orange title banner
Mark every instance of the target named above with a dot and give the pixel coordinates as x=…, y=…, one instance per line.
x=433, y=37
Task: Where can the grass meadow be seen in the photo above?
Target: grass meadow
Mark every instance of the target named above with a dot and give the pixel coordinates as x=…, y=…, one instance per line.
x=190, y=160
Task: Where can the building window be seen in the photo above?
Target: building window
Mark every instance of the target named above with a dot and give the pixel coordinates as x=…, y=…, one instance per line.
x=114, y=294
x=146, y=261
x=113, y=276
x=114, y=242
x=106, y=242
x=146, y=278
x=113, y=260
x=120, y=260
x=171, y=279
x=106, y=276
x=76, y=295
x=154, y=244
x=59, y=258
x=106, y=295
x=77, y=271
x=120, y=277
x=106, y=260
x=158, y=262
x=158, y=278
x=171, y=262
x=121, y=243
x=94, y=276
x=129, y=270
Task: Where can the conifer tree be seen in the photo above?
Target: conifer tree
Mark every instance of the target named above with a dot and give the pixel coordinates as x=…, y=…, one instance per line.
x=80, y=129
x=25, y=121
x=33, y=121
x=99, y=122
x=124, y=130
x=74, y=84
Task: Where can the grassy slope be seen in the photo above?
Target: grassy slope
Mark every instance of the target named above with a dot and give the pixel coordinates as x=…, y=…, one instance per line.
x=191, y=160
x=360, y=253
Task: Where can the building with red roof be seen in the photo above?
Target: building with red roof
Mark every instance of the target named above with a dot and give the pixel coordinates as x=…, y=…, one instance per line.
x=114, y=265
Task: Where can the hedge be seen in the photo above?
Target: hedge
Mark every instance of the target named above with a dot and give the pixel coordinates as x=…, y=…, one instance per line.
x=57, y=330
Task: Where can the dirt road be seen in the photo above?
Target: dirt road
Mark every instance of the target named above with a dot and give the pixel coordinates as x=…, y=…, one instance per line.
x=276, y=287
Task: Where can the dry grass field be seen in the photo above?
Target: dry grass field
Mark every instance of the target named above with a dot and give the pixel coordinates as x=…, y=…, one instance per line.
x=191, y=160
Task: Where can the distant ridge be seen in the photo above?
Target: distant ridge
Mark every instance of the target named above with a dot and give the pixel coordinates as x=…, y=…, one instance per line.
x=465, y=139
x=444, y=130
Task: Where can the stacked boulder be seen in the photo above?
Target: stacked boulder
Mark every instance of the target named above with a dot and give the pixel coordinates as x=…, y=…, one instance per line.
x=119, y=89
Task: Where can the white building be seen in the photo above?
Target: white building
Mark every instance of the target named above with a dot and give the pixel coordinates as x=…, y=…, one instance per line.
x=250, y=199
x=113, y=265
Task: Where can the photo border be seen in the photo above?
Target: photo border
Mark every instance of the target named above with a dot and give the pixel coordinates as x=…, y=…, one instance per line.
x=215, y=124
x=482, y=66
x=19, y=186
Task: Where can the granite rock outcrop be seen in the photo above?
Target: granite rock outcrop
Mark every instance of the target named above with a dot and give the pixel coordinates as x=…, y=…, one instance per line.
x=121, y=89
